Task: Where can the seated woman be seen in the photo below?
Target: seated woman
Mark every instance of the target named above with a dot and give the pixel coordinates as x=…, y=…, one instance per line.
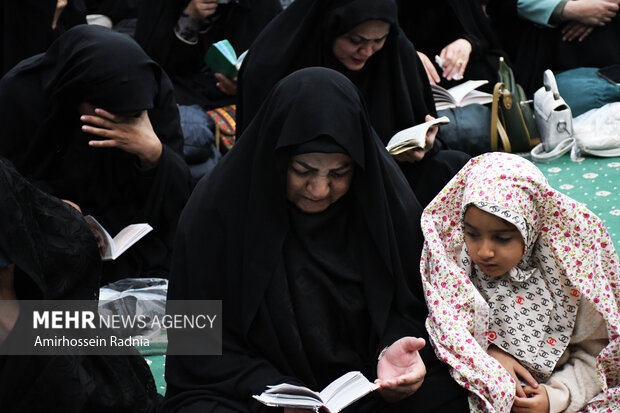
x=459, y=33
x=523, y=287
x=177, y=35
x=362, y=40
x=47, y=252
x=94, y=121
x=557, y=35
x=316, y=261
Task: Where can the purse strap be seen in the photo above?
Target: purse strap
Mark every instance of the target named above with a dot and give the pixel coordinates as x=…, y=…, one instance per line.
x=539, y=155
x=496, y=126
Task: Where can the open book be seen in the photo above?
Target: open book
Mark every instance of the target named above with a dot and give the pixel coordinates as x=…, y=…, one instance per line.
x=460, y=95
x=221, y=58
x=336, y=396
x=114, y=247
x=413, y=137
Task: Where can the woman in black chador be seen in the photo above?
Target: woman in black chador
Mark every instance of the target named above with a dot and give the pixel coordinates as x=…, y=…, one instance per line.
x=362, y=40
x=316, y=261
x=93, y=121
x=47, y=252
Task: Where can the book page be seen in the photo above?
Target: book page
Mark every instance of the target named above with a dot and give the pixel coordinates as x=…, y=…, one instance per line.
x=414, y=137
x=460, y=91
x=346, y=390
x=290, y=395
x=129, y=236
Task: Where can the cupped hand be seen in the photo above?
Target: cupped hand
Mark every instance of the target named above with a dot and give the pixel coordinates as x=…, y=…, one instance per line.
x=226, y=85
x=401, y=371
x=198, y=10
x=516, y=370
x=133, y=134
x=455, y=58
x=536, y=400
x=431, y=72
x=416, y=155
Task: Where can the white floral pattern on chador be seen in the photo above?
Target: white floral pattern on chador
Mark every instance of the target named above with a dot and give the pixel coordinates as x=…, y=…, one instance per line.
x=567, y=249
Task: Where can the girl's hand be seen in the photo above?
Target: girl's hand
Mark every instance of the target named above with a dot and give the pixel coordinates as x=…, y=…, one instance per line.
x=455, y=58
x=516, y=370
x=535, y=401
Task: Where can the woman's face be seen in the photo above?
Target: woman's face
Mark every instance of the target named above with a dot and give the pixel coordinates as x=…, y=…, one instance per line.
x=315, y=180
x=354, y=48
x=494, y=245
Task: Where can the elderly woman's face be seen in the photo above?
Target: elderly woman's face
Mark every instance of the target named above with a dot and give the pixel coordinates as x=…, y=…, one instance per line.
x=354, y=48
x=315, y=180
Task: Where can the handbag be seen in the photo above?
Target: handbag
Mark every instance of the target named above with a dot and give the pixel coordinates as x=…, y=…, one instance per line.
x=468, y=130
x=512, y=119
x=225, y=127
x=554, y=120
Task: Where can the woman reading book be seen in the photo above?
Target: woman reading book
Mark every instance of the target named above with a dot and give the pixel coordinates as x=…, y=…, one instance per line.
x=47, y=252
x=94, y=121
x=316, y=261
x=362, y=40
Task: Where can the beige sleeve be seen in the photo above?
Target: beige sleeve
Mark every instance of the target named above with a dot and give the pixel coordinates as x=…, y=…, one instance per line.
x=575, y=382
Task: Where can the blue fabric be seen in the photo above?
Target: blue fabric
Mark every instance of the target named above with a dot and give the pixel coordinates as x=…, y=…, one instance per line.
x=583, y=89
x=199, y=148
x=537, y=11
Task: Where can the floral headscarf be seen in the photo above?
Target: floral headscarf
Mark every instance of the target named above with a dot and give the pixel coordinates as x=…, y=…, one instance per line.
x=562, y=237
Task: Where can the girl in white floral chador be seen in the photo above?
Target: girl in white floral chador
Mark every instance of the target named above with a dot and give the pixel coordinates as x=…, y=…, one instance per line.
x=523, y=289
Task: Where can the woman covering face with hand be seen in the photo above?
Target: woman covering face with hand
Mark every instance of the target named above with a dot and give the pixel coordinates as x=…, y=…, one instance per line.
x=362, y=40
x=316, y=260
x=94, y=121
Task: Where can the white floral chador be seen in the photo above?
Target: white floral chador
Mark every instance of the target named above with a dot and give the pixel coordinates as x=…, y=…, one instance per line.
x=530, y=311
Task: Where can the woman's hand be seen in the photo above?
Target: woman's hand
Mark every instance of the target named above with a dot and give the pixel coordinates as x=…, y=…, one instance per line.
x=401, y=371
x=455, y=57
x=431, y=72
x=133, y=134
x=575, y=30
x=226, y=85
x=60, y=6
x=516, y=370
x=591, y=12
x=9, y=306
x=198, y=10
x=535, y=401
x=416, y=155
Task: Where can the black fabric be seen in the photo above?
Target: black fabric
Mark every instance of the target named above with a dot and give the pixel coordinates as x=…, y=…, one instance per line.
x=239, y=22
x=393, y=81
x=534, y=48
x=56, y=257
x=431, y=27
x=116, y=10
x=240, y=241
x=26, y=27
x=43, y=138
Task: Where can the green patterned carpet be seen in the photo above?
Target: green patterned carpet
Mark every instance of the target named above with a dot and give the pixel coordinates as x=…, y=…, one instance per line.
x=594, y=182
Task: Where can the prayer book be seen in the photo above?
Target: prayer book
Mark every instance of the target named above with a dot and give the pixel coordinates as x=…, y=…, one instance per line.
x=413, y=137
x=114, y=247
x=460, y=95
x=336, y=396
x=221, y=58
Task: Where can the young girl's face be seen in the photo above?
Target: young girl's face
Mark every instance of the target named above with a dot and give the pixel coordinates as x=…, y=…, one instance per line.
x=494, y=245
